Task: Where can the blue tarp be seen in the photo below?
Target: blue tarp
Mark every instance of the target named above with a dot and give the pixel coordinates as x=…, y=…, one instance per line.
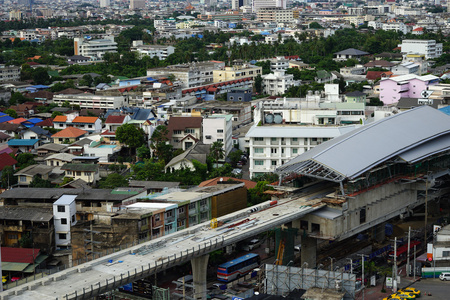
x=5, y=119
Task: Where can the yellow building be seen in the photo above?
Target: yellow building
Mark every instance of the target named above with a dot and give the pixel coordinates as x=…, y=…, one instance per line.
x=236, y=72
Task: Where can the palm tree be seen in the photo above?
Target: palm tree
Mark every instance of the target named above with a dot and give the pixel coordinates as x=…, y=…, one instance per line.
x=217, y=151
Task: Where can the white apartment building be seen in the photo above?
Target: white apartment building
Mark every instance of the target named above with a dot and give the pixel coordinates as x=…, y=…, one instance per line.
x=91, y=101
x=137, y=4
x=159, y=51
x=9, y=73
x=286, y=128
x=105, y=3
x=64, y=211
x=164, y=25
x=275, y=14
x=218, y=127
x=95, y=49
x=279, y=63
x=429, y=48
x=278, y=83
x=258, y=4
x=272, y=146
x=398, y=26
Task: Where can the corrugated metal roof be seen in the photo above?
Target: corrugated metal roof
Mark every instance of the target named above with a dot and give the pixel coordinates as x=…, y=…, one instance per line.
x=65, y=200
x=350, y=155
x=435, y=146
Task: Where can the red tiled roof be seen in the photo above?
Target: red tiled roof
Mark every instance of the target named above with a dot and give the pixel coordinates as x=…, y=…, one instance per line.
x=418, y=29
x=19, y=255
x=181, y=123
x=60, y=119
x=115, y=119
x=17, y=121
x=45, y=123
x=248, y=184
x=6, y=160
x=85, y=120
x=373, y=75
x=69, y=132
x=107, y=132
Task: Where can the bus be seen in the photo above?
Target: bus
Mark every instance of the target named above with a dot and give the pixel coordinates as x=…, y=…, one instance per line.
x=238, y=267
x=402, y=252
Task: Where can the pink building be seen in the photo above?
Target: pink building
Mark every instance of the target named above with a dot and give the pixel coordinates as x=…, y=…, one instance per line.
x=404, y=86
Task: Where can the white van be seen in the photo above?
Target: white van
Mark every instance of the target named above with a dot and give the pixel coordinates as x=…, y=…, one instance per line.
x=444, y=276
x=253, y=244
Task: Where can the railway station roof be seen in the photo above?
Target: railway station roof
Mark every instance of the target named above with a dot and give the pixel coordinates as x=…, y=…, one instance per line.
x=409, y=136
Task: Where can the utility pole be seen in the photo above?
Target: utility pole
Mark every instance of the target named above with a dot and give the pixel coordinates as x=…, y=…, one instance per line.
x=414, y=263
x=362, y=275
x=394, y=267
x=408, y=267
x=426, y=208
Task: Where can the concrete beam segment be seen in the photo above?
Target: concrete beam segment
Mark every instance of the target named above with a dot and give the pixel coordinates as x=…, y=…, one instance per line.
x=309, y=249
x=199, y=270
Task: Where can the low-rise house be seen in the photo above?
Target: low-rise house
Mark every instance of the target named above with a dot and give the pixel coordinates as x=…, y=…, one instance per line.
x=58, y=159
x=184, y=131
x=153, y=186
x=406, y=68
x=197, y=152
x=36, y=132
x=6, y=160
x=86, y=172
x=26, y=175
x=113, y=122
x=50, y=148
x=349, y=53
x=355, y=97
x=68, y=135
x=90, y=124
x=24, y=146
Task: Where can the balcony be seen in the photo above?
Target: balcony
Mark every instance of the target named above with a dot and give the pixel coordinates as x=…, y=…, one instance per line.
x=13, y=228
x=168, y=220
x=274, y=142
x=204, y=208
x=192, y=212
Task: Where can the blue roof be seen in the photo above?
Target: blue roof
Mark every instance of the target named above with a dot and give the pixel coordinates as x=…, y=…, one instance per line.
x=6, y=118
x=40, y=86
x=18, y=142
x=238, y=260
x=2, y=114
x=34, y=120
x=141, y=114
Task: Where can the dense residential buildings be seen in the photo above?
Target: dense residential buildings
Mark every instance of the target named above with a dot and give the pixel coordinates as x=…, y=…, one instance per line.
x=159, y=51
x=9, y=73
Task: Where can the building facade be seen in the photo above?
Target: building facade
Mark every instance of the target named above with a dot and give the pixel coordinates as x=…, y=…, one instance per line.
x=429, y=48
x=95, y=49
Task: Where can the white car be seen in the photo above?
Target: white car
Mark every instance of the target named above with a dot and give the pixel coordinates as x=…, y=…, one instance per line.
x=444, y=276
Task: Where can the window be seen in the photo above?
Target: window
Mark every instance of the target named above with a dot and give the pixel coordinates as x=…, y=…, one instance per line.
x=89, y=126
x=177, y=132
x=203, y=216
x=259, y=139
x=294, y=150
x=362, y=215
x=157, y=217
x=168, y=227
x=12, y=236
x=87, y=173
x=168, y=214
x=23, y=178
x=445, y=253
x=64, y=221
x=259, y=150
x=219, y=130
x=73, y=219
x=274, y=162
x=259, y=162
x=294, y=139
x=191, y=206
x=220, y=140
x=273, y=150
x=273, y=139
x=187, y=130
x=78, y=173
x=203, y=202
x=61, y=208
x=181, y=210
x=62, y=236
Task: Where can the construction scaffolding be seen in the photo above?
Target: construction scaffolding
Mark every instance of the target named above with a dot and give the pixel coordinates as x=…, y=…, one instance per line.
x=285, y=242
x=281, y=280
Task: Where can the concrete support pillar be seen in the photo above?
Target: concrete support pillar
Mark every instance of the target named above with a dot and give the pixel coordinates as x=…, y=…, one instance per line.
x=379, y=232
x=199, y=269
x=308, y=251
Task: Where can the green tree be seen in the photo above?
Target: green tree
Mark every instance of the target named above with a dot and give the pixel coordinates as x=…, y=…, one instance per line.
x=258, y=84
x=8, y=179
x=130, y=135
x=24, y=160
x=235, y=157
x=113, y=181
x=26, y=241
x=216, y=152
x=315, y=25
x=143, y=152
x=40, y=76
x=11, y=112
x=38, y=182
x=56, y=113
x=17, y=97
x=159, y=144
x=256, y=195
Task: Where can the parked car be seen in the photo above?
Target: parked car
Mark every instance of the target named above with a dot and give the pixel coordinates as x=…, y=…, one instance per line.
x=444, y=276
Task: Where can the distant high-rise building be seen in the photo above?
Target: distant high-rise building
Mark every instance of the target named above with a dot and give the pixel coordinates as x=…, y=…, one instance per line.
x=105, y=3
x=235, y=4
x=137, y=4
x=257, y=4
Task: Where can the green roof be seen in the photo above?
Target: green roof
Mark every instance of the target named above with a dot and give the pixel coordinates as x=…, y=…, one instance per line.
x=322, y=74
x=53, y=73
x=13, y=266
x=80, y=167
